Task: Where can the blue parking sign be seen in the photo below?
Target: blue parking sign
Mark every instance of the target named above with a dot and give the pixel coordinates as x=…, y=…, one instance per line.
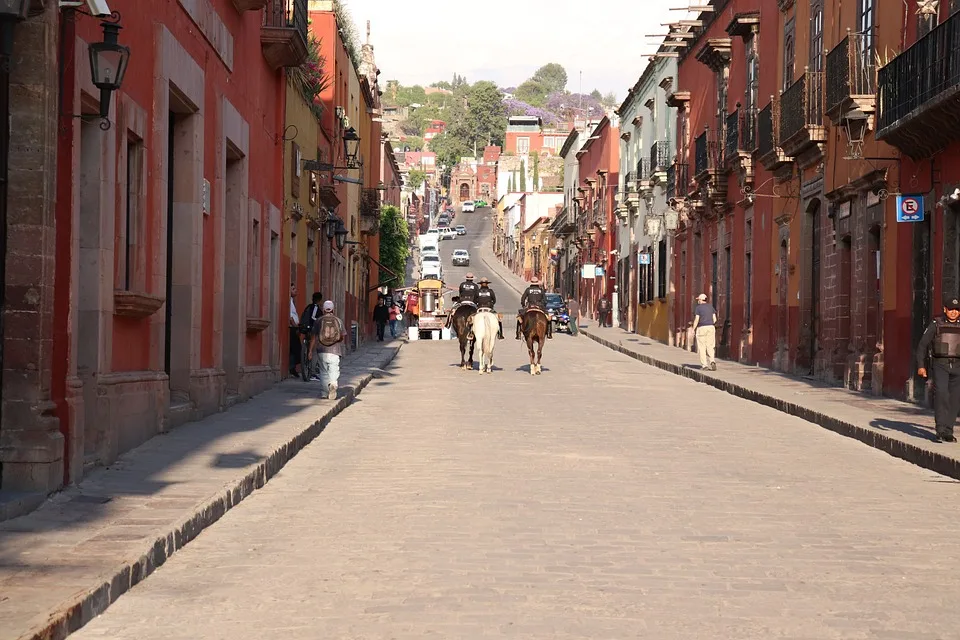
x=909, y=208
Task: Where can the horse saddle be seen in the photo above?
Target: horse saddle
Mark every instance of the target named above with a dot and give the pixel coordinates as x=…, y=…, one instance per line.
x=535, y=310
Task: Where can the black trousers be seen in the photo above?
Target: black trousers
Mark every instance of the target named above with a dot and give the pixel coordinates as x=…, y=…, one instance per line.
x=295, y=348
x=381, y=327
x=946, y=401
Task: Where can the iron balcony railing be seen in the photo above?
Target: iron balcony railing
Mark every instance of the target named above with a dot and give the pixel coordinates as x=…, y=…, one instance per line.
x=748, y=129
x=370, y=202
x=629, y=181
x=287, y=14
x=708, y=154
x=851, y=70
x=659, y=156
x=926, y=71
x=801, y=105
x=765, y=128
x=677, y=178
x=643, y=169
x=732, y=142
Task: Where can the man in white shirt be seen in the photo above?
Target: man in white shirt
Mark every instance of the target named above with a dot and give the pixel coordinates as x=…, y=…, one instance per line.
x=294, y=331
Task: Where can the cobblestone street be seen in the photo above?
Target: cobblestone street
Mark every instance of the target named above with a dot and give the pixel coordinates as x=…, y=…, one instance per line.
x=603, y=499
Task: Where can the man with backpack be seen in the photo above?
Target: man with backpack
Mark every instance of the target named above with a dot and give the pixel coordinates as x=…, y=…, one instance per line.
x=330, y=335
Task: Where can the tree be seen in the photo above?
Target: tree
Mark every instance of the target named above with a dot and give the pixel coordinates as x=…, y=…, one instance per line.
x=416, y=143
x=394, y=244
x=415, y=178
x=532, y=92
x=536, y=171
x=449, y=150
x=596, y=95
x=442, y=84
x=610, y=100
x=552, y=77
x=486, y=116
x=523, y=176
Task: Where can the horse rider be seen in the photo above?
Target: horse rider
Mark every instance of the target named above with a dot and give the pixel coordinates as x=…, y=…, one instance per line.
x=486, y=300
x=534, y=298
x=468, y=293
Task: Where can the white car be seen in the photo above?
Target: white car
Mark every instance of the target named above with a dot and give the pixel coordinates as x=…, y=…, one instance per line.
x=468, y=207
x=446, y=233
x=432, y=270
x=431, y=258
x=460, y=258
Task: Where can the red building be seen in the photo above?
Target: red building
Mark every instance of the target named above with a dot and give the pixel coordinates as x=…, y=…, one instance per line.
x=599, y=177
x=526, y=135
x=434, y=128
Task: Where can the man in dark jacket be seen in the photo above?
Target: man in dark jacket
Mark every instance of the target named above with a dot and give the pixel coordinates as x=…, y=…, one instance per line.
x=943, y=334
x=468, y=290
x=533, y=297
x=381, y=315
x=487, y=299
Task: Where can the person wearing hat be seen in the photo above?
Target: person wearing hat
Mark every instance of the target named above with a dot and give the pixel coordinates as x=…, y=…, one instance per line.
x=533, y=297
x=943, y=335
x=468, y=290
x=705, y=329
x=331, y=335
x=487, y=299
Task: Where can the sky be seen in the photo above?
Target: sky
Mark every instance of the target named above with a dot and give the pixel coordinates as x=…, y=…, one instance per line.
x=505, y=41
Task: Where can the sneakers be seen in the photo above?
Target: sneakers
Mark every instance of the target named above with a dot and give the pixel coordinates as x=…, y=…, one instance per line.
x=713, y=366
x=332, y=391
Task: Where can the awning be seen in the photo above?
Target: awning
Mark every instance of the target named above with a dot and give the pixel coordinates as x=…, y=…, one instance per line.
x=380, y=264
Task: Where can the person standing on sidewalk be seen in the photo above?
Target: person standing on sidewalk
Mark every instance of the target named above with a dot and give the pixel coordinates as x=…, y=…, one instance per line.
x=573, y=311
x=330, y=334
x=394, y=314
x=943, y=334
x=705, y=328
x=295, y=346
x=604, y=311
x=381, y=315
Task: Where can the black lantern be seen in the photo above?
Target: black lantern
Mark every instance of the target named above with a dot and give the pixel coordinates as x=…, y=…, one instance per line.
x=14, y=10
x=341, y=236
x=333, y=222
x=108, y=64
x=351, y=146
x=381, y=187
x=855, y=128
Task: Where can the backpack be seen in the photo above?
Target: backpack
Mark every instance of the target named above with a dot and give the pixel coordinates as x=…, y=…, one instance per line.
x=306, y=319
x=329, y=330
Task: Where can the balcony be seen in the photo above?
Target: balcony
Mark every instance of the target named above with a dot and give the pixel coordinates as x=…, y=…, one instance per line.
x=801, y=115
x=644, y=174
x=919, y=93
x=369, y=212
x=708, y=169
x=659, y=159
x=249, y=5
x=283, y=36
x=769, y=151
x=678, y=179
x=632, y=190
x=740, y=143
x=851, y=77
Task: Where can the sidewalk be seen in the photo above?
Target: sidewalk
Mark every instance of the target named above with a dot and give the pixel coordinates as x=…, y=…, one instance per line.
x=900, y=429
x=63, y=564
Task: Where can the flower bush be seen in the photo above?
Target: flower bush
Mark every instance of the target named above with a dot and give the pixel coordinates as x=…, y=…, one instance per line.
x=311, y=77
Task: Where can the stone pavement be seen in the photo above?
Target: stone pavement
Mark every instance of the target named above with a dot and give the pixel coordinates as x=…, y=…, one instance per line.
x=66, y=562
x=898, y=428
x=604, y=499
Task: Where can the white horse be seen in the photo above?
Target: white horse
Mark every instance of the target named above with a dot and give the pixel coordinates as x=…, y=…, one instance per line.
x=486, y=326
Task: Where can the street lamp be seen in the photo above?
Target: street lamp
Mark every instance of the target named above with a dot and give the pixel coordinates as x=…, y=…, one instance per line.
x=108, y=64
x=333, y=223
x=854, y=125
x=341, y=235
x=14, y=10
x=351, y=147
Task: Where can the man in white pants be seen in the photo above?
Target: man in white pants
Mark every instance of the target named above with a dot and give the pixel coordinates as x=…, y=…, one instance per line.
x=330, y=334
x=705, y=327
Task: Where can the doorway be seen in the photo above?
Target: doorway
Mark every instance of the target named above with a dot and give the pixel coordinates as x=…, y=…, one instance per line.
x=812, y=302
x=783, y=279
x=464, y=192
x=921, y=313
x=233, y=271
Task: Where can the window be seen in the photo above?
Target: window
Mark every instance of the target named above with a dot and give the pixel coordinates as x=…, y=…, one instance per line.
x=295, y=170
x=253, y=274
x=727, y=281
x=789, y=52
x=752, y=93
x=816, y=35
x=721, y=104
x=748, y=293
x=866, y=25
x=523, y=145
x=714, y=278
x=132, y=213
x=650, y=277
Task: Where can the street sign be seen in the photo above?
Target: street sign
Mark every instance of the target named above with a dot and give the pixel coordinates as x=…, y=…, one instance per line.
x=909, y=208
x=599, y=272
x=644, y=258
x=588, y=271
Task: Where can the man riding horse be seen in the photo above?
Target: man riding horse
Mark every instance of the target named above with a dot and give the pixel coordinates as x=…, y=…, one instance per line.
x=461, y=317
x=486, y=300
x=534, y=299
x=466, y=295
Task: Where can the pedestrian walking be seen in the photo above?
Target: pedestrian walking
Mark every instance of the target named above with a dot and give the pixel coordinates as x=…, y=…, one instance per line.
x=381, y=315
x=394, y=315
x=943, y=334
x=413, y=308
x=705, y=329
x=573, y=311
x=330, y=334
x=295, y=347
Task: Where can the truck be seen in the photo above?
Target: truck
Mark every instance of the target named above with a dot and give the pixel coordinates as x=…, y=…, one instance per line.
x=431, y=238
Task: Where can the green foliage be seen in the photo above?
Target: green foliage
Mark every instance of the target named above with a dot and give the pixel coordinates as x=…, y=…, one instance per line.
x=449, y=149
x=416, y=143
x=533, y=92
x=394, y=243
x=595, y=94
x=350, y=36
x=523, y=176
x=486, y=118
x=458, y=81
x=536, y=171
x=552, y=77
x=311, y=78
x=442, y=84
x=610, y=100
x=415, y=178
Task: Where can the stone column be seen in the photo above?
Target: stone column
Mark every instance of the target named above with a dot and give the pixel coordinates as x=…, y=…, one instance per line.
x=31, y=445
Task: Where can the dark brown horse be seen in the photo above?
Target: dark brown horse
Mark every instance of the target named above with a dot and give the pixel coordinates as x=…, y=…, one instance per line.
x=463, y=324
x=534, y=326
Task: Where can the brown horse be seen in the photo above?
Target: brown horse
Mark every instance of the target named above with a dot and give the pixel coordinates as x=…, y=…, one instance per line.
x=463, y=324
x=534, y=326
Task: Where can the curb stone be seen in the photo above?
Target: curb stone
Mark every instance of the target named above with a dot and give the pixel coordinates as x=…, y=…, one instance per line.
x=87, y=605
x=911, y=453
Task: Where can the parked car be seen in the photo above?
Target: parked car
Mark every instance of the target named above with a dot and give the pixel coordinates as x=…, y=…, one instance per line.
x=446, y=233
x=461, y=230
x=468, y=206
x=443, y=221
x=432, y=270
x=480, y=203
x=460, y=258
